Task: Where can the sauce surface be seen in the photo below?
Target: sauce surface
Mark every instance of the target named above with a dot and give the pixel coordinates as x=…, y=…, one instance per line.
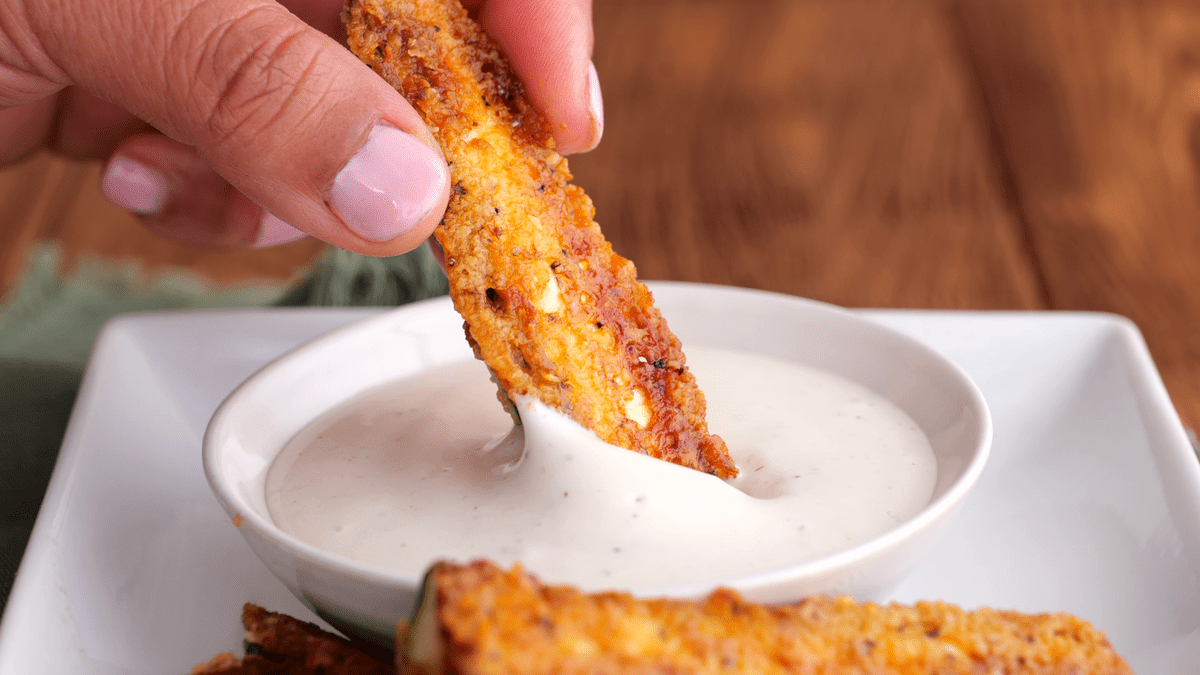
x=427, y=468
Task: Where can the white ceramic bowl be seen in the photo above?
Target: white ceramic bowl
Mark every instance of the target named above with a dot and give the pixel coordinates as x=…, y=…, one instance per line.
x=257, y=419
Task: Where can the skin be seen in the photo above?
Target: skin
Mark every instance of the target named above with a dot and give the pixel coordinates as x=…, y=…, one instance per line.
x=248, y=104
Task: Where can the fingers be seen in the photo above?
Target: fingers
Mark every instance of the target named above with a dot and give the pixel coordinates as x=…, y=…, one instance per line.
x=550, y=44
x=283, y=113
x=73, y=123
x=178, y=195
x=88, y=127
x=24, y=128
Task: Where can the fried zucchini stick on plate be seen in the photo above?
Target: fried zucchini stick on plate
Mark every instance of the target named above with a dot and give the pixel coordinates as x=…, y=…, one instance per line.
x=277, y=644
x=478, y=619
x=548, y=306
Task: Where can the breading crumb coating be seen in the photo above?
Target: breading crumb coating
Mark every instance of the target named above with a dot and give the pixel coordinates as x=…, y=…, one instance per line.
x=277, y=644
x=548, y=306
x=506, y=622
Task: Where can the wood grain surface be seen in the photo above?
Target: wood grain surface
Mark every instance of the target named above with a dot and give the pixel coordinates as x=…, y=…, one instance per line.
x=1097, y=114
x=986, y=154
x=831, y=150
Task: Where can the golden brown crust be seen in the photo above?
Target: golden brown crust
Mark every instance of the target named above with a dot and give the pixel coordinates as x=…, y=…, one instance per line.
x=548, y=306
x=277, y=644
x=224, y=663
x=496, y=621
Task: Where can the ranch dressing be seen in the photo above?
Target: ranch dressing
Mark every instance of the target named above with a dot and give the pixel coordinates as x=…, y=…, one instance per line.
x=427, y=468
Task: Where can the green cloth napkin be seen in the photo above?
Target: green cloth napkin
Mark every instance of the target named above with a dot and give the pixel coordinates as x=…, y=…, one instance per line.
x=48, y=324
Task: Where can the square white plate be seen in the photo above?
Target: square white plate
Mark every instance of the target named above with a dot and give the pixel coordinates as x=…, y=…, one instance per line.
x=1090, y=502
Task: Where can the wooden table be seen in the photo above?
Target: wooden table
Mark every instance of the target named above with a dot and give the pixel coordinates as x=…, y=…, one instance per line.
x=982, y=154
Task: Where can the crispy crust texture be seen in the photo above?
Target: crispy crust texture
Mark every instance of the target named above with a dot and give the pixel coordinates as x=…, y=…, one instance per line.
x=548, y=306
x=506, y=622
x=277, y=644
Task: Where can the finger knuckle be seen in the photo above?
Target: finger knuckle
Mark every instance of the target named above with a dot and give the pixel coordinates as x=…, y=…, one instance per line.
x=252, y=76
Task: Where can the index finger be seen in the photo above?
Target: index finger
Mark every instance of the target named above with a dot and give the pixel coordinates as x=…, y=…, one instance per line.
x=550, y=44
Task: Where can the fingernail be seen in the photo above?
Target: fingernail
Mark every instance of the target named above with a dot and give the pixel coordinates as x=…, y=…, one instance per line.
x=274, y=232
x=389, y=186
x=134, y=186
x=595, y=104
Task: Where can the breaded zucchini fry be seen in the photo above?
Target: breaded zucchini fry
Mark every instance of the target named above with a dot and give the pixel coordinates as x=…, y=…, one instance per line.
x=277, y=644
x=548, y=306
x=478, y=619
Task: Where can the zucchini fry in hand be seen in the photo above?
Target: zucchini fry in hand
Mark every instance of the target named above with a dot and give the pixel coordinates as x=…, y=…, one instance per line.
x=548, y=306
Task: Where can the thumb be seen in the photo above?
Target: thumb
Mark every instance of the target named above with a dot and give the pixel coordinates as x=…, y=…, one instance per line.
x=281, y=111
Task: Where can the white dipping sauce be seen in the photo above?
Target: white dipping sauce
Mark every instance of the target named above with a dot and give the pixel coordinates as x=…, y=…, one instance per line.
x=399, y=477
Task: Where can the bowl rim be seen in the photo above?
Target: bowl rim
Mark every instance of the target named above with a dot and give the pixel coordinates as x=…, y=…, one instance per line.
x=924, y=519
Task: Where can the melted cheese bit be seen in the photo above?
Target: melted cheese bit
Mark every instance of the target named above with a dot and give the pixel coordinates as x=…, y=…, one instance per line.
x=636, y=409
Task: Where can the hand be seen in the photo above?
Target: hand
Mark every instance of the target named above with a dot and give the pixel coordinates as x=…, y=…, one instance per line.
x=243, y=123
